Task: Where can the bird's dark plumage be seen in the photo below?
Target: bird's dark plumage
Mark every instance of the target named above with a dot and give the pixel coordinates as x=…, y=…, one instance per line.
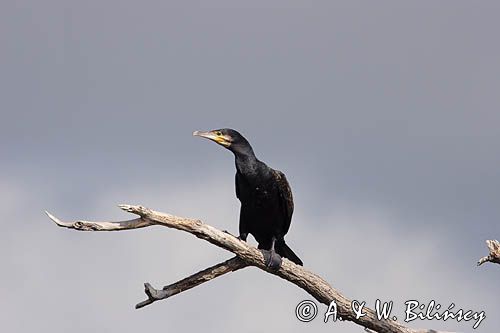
x=265, y=196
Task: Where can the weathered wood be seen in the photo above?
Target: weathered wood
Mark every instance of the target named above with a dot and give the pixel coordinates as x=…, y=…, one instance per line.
x=246, y=255
x=494, y=256
x=192, y=281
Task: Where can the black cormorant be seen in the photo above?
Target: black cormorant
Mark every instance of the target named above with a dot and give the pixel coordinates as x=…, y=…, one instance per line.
x=265, y=196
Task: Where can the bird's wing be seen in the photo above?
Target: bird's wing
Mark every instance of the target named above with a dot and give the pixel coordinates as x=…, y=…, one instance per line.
x=286, y=198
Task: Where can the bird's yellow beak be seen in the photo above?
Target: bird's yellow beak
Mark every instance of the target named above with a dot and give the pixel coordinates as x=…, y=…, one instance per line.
x=215, y=136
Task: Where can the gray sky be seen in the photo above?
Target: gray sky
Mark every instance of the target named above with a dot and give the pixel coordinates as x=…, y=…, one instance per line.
x=384, y=116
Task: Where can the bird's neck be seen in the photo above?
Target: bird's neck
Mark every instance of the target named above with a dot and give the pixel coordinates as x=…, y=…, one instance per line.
x=246, y=162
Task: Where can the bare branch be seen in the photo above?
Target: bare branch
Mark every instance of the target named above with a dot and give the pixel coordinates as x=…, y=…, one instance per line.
x=192, y=281
x=245, y=256
x=494, y=256
x=101, y=226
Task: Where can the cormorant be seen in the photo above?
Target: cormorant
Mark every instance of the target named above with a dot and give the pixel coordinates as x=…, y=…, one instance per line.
x=265, y=196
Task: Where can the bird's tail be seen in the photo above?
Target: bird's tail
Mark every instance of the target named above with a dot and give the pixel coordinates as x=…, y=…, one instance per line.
x=283, y=250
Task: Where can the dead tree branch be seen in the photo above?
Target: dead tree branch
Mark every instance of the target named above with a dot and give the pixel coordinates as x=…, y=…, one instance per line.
x=246, y=255
x=192, y=281
x=494, y=256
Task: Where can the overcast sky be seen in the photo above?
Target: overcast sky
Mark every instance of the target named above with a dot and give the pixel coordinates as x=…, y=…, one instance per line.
x=384, y=117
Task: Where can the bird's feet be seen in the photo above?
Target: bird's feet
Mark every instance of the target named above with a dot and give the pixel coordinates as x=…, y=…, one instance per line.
x=271, y=259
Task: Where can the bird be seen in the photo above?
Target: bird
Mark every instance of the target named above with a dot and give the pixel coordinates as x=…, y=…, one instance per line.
x=265, y=196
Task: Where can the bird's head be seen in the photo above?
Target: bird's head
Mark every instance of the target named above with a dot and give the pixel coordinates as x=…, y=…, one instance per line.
x=228, y=138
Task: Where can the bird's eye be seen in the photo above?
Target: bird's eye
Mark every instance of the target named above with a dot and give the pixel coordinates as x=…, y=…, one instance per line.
x=218, y=133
